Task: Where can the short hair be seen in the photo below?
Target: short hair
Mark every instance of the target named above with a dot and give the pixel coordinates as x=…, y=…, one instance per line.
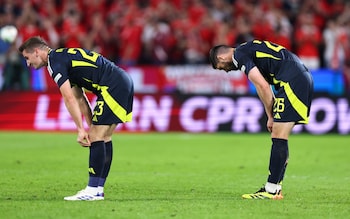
x=32, y=43
x=215, y=51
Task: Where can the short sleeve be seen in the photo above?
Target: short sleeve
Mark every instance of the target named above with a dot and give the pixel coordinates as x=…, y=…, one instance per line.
x=243, y=60
x=58, y=70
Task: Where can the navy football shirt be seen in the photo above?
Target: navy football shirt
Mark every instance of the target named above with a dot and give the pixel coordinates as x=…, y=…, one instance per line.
x=81, y=67
x=269, y=58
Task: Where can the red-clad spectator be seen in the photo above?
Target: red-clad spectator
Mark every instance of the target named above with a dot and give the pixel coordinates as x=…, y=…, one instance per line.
x=225, y=34
x=335, y=39
x=336, y=8
x=73, y=30
x=281, y=28
x=98, y=36
x=344, y=20
x=261, y=26
x=308, y=39
x=199, y=40
x=243, y=27
x=91, y=8
x=165, y=11
x=180, y=28
x=29, y=28
x=278, y=37
x=278, y=19
x=187, y=28
x=130, y=44
x=220, y=10
x=196, y=11
x=321, y=9
x=46, y=16
x=48, y=9
x=27, y=23
x=194, y=52
x=50, y=33
x=243, y=7
x=154, y=3
x=157, y=39
x=207, y=28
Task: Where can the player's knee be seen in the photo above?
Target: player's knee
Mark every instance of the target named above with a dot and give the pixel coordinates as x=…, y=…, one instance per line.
x=108, y=138
x=95, y=136
x=101, y=133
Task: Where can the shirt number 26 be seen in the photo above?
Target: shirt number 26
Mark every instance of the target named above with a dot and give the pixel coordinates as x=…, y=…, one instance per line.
x=278, y=105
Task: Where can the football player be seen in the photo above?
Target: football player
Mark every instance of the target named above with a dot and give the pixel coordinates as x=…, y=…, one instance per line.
x=267, y=64
x=76, y=69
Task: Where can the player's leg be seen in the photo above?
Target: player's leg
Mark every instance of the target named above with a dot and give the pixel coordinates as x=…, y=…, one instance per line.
x=276, y=135
x=278, y=160
x=117, y=109
x=279, y=155
x=97, y=135
x=108, y=158
x=96, y=164
x=292, y=106
x=113, y=106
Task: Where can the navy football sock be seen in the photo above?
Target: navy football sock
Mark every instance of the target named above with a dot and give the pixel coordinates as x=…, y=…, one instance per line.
x=96, y=162
x=283, y=172
x=108, y=163
x=278, y=160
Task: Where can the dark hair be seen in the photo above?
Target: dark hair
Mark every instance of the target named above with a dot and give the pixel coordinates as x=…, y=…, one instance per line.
x=215, y=51
x=32, y=43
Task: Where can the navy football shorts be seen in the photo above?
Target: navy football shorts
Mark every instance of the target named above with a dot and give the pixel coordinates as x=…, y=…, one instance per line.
x=115, y=100
x=293, y=99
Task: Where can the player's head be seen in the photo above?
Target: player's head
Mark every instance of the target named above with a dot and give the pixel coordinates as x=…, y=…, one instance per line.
x=34, y=42
x=34, y=50
x=221, y=58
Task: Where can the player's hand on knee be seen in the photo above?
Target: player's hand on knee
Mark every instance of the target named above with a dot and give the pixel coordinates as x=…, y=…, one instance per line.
x=83, y=138
x=269, y=124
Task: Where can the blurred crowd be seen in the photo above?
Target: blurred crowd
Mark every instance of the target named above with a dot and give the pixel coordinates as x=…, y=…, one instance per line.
x=157, y=32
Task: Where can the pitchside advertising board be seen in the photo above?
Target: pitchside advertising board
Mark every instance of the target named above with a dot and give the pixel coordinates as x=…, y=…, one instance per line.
x=173, y=112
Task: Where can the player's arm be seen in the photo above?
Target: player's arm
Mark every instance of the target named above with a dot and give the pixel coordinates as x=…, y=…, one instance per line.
x=265, y=93
x=74, y=110
x=84, y=104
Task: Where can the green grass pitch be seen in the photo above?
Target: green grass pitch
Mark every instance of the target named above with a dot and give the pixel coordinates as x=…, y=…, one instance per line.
x=173, y=175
